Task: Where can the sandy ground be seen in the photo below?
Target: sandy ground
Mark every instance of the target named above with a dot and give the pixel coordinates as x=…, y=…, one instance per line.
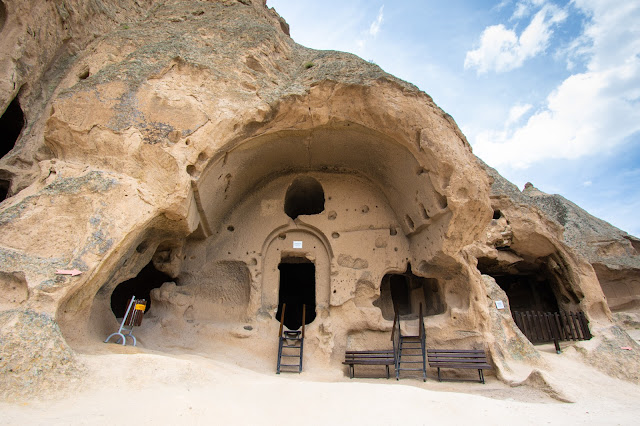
x=141, y=386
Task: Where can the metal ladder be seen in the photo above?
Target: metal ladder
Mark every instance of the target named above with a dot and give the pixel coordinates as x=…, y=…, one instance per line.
x=411, y=354
x=290, y=345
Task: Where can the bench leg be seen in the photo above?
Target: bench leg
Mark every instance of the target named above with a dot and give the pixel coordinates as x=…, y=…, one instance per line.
x=351, y=368
x=387, y=371
x=481, y=374
x=439, y=379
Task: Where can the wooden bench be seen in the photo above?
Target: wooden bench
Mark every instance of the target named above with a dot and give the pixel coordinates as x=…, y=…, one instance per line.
x=458, y=358
x=382, y=357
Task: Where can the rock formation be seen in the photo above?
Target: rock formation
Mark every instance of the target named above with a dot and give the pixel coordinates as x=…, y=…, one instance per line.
x=192, y=153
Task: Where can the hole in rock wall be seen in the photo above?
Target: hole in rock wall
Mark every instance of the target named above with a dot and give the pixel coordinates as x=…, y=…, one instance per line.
x=140, y=286
x=84, y=74
x=11, y=124
x=532, y=285
x=406, y=292
x=297, y=288
x=304, y=196
x=4, y=189
x=3, y=15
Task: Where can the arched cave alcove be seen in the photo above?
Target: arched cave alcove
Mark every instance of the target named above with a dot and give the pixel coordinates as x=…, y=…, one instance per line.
x=532, y=284
x=11, y=124
x=406, y=292
x=297, y=288
x=139, y=286
x=305, y=196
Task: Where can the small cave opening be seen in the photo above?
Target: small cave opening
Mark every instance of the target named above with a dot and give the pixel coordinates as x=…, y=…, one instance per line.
x=406, y=292
x=139, y=286
x=305, y=196
x=297, y=288
x=4, y=189
x=3, y=15
x=532, y=284
x=11, y=124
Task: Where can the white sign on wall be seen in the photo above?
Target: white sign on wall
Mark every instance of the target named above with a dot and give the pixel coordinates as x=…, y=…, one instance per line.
x=297, y=244
x=499, y=304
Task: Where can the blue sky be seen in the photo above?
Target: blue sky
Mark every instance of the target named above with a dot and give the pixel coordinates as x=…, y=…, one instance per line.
x=546, y=91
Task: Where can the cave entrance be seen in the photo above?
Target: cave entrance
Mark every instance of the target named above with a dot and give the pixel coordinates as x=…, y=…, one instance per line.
x=406, y=292
x=297, y=288
x=11, y=124
x=530, y=292
x=140, y=286
x=533, y=284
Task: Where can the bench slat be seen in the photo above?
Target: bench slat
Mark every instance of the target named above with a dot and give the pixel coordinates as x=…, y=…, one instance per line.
x=458, y=361
x=371, y=362
x=473, y=366
x=458, y=356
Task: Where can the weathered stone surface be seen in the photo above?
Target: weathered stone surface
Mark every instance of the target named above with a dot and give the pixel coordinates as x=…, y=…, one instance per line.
x=34, y=357
x=168, y=142
x=614, y=254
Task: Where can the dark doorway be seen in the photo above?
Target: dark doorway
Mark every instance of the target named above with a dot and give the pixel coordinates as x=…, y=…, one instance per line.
x=532, y=285
x=4, y=189
x=11, y=124
x=297, y=288
x=139, y=286
x=406, y=292
x=528, y=293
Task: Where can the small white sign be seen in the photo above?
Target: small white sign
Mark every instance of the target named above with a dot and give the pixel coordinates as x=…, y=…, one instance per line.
x=297, y=244
x=499, y=304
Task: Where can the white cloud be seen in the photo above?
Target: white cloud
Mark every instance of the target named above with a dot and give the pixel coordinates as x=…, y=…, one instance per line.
x=586, y=114
x=502, y=50
x=522, y=10
x=589, y=112
x=375, y=25
x=517, y=112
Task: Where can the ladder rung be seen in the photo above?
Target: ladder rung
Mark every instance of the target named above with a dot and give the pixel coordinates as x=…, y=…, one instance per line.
x=411, y=362
x=410, y=369
x=290, y=356
x=289, y=365
x=291, y=346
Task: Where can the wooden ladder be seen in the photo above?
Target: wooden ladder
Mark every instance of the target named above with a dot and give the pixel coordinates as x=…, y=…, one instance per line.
x=411, y=355
x=290, y=345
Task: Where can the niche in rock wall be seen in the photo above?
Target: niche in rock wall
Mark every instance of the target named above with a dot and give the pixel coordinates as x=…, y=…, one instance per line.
x=305, y=196
x=406, y=292
x=11, y=124
x=532, y=285
x=140, y=286
x=4, y=189
x=3, y=15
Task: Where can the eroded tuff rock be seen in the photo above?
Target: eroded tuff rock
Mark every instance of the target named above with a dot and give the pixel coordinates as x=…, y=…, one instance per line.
x=190, y=152
x=614, y=254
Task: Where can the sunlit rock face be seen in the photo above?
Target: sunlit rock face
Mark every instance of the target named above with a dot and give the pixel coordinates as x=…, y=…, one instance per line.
x=191, y=153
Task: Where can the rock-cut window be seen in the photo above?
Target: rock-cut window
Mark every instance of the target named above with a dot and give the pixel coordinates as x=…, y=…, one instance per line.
x=304, y=196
